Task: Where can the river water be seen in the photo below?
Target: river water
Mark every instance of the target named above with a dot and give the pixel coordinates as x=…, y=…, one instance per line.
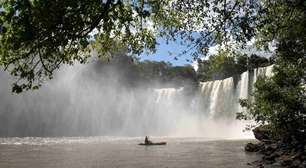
x=110, y=152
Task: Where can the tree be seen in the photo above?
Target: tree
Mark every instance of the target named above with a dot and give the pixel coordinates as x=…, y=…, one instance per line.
x=280, y=100
x=257, y=61
x=37, y=36
x=228, y=63
x=220, y=22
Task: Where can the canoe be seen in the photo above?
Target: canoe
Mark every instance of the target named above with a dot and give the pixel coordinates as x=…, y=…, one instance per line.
x=156, y=143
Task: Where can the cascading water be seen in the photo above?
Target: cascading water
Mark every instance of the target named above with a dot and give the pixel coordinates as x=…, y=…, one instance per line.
x=244, y=85
x=266, y=71
x=222, y=96
x=74, y=105
x=216, y=96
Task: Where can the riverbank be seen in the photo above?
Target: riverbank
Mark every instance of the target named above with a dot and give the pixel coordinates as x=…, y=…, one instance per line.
x=277, y=153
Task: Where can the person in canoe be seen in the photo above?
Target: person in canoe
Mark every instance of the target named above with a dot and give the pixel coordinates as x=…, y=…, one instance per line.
x=147, y=141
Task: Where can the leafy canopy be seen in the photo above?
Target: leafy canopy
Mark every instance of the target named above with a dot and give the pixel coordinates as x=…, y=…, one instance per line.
x=37, y=36
x=280, y=101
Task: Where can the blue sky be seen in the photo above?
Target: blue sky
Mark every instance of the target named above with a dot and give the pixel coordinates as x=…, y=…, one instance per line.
x=163, y=49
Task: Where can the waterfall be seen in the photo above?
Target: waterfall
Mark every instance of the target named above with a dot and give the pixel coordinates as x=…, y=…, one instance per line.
x=74, y=104
x=222, y=96
x=216, y=96
x=167, y=94
x=243, y=85
x=266, y=71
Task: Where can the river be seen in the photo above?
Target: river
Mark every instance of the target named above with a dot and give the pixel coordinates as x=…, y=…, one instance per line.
x=111, y=152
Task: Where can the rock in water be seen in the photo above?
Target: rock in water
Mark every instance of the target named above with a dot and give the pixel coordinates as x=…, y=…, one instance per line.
x=250, y=147
x=262, y=133
x=286, y=160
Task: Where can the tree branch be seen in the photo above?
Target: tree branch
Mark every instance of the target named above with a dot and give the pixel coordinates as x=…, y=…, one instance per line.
x=97, y=21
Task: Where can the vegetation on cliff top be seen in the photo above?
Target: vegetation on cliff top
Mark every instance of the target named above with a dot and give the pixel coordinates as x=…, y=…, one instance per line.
x=135, y=73
x=227, y=64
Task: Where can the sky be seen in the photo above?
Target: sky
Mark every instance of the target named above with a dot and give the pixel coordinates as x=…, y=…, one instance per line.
x=163, y=51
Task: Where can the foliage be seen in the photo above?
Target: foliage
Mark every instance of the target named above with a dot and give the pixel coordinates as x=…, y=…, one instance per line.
x=217, y=22
x=135, y=73
x=165, y=72
x=227, y=64
x=280, y=100
x=37, y=36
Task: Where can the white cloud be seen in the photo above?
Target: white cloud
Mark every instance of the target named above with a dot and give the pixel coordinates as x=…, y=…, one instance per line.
x=211, y=51
x=249, y=49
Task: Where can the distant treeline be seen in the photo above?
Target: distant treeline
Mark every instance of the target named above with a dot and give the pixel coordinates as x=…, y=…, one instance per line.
x=135, y=73
x=224, y=65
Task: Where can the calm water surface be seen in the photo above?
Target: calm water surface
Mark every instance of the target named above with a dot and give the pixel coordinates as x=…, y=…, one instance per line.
x=106, y=152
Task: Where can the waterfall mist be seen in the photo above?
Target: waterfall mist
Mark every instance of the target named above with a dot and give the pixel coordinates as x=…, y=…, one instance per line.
x=82, y=101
